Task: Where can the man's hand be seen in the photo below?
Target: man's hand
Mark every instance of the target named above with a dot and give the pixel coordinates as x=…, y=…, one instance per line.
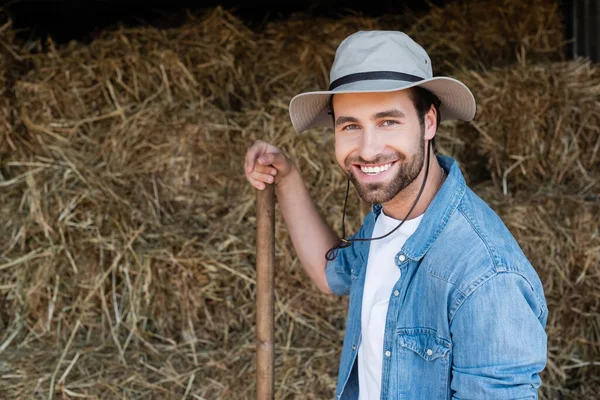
x=266, y=163
x=310, y=234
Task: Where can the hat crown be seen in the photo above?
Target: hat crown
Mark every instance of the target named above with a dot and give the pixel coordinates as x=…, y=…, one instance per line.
x=378, y=62
x=370, y=51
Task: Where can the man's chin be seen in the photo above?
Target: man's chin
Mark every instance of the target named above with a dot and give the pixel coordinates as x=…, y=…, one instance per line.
x=377, y=199
x=373, y=194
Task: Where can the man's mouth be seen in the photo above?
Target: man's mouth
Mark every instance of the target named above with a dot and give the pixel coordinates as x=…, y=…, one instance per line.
x=375, y=169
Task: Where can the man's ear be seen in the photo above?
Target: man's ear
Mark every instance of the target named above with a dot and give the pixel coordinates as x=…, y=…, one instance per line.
x=430, y=123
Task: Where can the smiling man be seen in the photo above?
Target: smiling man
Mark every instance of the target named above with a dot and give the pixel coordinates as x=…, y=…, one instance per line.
x=443, y=302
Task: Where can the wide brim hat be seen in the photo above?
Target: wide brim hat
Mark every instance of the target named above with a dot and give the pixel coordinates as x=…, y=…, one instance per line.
x=380, y=61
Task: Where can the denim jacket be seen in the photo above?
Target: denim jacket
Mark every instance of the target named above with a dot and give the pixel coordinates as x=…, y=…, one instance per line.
x=466, y=319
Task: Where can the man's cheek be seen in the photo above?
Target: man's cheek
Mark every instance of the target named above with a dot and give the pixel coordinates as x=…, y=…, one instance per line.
x=341, y=153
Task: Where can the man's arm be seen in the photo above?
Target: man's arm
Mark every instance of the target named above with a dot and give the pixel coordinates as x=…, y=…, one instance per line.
x=309, y=232
x=499, y=341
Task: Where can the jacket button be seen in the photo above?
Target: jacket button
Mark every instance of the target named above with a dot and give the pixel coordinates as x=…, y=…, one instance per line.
x=353, y=347
x=396, y=293
x=402, y=258
x=388, y=353
x=429, y=352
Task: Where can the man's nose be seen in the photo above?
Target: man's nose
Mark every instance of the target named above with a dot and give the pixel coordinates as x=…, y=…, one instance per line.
x=370, y=146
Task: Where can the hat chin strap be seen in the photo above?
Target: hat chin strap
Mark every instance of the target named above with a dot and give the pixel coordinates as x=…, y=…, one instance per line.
x=333, y=252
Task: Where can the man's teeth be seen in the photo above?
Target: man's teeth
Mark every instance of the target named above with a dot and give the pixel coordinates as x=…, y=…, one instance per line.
x=375, y=170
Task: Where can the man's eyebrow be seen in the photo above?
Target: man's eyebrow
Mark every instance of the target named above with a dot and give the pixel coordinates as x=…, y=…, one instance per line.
x=389, y=113
x=343, y=120
x=394, y=113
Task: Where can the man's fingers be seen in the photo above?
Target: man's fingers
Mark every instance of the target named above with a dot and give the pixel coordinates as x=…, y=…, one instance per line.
x=262, y=163
x=261, y=177
x=261, y=153
x=257, y=184
x=265, y=169
x=275, y=159
x=251, y=155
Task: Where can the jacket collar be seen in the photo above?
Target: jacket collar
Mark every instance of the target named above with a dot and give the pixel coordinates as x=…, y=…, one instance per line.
x=439, y=211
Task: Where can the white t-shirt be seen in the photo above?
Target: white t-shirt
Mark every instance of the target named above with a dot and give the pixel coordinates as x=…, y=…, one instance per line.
x=381, y=276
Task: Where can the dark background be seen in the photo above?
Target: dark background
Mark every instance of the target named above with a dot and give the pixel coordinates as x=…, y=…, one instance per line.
x=79, y=19
x=65, y=20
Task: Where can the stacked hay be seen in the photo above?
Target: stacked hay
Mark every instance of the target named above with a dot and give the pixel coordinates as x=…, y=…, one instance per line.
x=546, y=133
x=481, y=34
x=127, y=263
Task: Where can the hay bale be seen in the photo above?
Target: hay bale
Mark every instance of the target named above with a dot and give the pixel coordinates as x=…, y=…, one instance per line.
x=481, y=34
x=296, y=54
x=561, y=237
x=537, y=125
x=123, y=70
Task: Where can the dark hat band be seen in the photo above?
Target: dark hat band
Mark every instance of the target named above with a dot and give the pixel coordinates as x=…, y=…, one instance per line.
x=375, y=75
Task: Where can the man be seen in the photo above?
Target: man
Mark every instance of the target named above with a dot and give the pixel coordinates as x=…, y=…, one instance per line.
x=443, y=302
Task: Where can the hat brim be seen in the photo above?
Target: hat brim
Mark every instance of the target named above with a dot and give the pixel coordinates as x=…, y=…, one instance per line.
x=310, y=110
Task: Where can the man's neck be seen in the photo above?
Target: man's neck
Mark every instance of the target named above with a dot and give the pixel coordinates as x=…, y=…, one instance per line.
x=400, y=205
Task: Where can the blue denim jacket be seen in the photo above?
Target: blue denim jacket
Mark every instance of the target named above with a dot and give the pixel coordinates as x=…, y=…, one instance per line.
x=466, y=319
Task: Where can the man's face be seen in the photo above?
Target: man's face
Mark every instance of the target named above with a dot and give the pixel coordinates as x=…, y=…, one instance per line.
x=379, y=142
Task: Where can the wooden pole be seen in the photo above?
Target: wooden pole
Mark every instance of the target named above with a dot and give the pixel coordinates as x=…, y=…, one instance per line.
x=265, y=254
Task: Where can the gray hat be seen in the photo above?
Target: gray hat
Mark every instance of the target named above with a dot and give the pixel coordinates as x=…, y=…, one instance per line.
x=380, y=61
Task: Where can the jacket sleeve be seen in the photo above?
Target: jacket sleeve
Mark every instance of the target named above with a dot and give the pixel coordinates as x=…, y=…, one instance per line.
x=499, y=341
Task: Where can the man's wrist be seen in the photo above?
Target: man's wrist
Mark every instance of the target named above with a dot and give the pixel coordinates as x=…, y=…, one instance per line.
x=290, y=180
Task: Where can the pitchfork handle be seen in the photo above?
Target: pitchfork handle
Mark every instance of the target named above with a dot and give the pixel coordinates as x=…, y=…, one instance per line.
x=265, y=254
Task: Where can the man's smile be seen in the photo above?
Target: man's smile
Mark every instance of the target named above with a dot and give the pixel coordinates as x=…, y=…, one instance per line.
x=372, y=172
x=374, y=169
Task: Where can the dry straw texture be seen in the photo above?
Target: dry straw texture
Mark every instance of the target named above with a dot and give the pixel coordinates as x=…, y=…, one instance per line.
x=127, y=235
x=547, y=133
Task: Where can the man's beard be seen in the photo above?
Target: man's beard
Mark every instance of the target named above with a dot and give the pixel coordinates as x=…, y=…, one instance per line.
x=379, y=192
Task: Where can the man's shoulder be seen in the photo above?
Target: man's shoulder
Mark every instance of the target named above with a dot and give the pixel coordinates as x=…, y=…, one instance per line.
x=474, y=246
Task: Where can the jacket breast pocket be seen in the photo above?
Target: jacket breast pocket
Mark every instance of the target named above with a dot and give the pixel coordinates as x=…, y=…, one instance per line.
x=423, y=364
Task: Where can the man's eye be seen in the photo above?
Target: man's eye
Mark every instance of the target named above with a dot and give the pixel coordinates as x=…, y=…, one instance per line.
x=389, y=122
x=349, y=127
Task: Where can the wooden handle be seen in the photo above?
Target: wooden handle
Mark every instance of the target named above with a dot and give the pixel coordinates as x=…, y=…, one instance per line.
x=265, y=255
